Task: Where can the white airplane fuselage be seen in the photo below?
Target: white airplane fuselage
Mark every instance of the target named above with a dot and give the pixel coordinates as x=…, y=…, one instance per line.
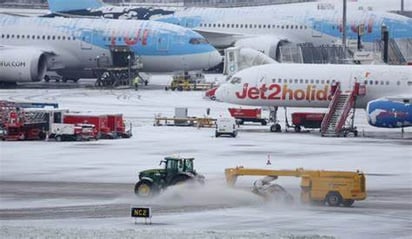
x=74, y=46
x=309, y=85
x=317, y=23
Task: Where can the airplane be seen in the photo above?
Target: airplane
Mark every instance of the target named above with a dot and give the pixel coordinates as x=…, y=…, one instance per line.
x=267, y=28
x=96, y=8
x=73, y=47
x=387, y=100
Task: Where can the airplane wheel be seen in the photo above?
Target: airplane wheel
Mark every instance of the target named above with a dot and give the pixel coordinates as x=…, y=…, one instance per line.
x=275, y=128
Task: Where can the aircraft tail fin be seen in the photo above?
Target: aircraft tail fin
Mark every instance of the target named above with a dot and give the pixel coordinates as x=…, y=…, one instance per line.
x=65, y=5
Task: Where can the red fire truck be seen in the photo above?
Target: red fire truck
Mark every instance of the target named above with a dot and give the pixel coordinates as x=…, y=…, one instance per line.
x=118, y=127
x=99, y=121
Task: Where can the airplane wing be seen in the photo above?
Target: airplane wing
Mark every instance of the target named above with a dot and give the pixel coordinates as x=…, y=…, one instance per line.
x=13, y=14
x=220, y=39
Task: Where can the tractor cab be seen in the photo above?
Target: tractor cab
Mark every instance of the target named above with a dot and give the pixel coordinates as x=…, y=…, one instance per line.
x=175, y=171
x=175, y=166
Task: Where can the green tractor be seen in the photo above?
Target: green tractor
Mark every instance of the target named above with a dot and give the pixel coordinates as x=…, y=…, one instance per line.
x=176, y=171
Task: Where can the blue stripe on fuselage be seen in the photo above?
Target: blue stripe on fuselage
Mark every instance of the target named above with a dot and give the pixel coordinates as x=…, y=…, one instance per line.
x=162, y=39
x=397, y=28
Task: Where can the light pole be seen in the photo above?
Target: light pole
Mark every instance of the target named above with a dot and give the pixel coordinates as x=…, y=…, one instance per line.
x=344, y=24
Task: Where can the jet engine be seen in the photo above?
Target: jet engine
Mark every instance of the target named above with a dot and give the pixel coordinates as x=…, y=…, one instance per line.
x=390, y=113
x=22, y=65
x=268, y=45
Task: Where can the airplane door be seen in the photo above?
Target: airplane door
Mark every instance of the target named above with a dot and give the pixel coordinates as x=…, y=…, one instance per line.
x=317, y=29
x=163, y=42
x=86, y=40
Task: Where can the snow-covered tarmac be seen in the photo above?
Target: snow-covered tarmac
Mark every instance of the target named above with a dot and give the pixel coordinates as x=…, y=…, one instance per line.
x=85, y=189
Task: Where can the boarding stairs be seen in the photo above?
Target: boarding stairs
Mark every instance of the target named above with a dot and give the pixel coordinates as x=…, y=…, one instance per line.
x=340, y=109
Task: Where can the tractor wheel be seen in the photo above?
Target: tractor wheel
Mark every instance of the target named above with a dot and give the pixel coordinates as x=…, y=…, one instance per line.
x=334, y=199
x=180, y=179
x=145, y=189
x=348, y=202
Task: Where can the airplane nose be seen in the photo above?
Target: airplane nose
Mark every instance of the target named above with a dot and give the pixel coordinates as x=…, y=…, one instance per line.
x=220, y=93
x=214, y=58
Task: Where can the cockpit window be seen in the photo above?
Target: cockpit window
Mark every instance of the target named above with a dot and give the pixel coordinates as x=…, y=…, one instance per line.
x=235, y=80
x=197, y=41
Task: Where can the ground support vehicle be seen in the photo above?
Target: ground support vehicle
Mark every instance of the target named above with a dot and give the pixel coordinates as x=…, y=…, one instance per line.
x=118, y=127
x=226, y=126
x=73, y=132
x=247, y=115
x=99, y=121
x=334, y=188
x=22, y=123
x=188, y=82
x=177, y=170
x=307, y=120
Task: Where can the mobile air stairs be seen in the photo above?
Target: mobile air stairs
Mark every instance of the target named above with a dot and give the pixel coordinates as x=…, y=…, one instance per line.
x=341, y=108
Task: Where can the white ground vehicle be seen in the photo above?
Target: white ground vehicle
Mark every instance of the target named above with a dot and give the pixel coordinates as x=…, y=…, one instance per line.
x=226, y=126
x=72, y=132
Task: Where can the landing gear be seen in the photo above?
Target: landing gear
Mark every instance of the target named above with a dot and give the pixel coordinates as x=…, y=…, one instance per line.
x=273, y=118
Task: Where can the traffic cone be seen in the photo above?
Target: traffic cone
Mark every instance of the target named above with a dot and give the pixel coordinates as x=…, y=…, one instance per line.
x=268, y=161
